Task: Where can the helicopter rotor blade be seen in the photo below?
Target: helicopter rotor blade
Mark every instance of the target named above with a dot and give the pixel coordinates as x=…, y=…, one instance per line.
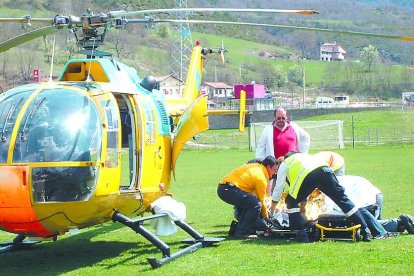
x=26, y=19
x=307, y=12
x=18, y=40
x=396, y=37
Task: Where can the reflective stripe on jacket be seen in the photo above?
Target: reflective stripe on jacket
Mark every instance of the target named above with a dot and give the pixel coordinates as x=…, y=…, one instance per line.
x=299, y=165
x=333, y=159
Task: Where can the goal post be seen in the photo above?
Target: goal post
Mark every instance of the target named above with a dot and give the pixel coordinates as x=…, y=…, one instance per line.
x=324, y=134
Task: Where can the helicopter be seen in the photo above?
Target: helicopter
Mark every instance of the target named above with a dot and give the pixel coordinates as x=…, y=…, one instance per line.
x=98, y=144
x=95, y=145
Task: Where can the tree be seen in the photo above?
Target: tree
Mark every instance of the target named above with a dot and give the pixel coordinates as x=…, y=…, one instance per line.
x=163, y=30
x=369, y=55
x=280, y=77
x=47, y=48
x=26, y=61
x=4, y=64
x=71, y=45
x=295, y=74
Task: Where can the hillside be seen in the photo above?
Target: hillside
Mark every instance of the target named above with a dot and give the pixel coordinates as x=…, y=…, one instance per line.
x=146, y=50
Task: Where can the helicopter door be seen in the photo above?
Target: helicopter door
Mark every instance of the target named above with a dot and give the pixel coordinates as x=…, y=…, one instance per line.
x=128, y=142
x=110, y=173
x=151, y=143
x=192, y=122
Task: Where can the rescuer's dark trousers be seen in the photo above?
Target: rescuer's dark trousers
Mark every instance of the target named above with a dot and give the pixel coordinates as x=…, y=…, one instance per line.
x=248, y=208
x=325, y=180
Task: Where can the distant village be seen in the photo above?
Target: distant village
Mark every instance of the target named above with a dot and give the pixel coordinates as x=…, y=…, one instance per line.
x=225, y=96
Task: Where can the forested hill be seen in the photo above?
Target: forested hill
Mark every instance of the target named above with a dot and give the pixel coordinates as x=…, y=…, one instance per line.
x=148, y=49
x=374, y=16
x=382, y=16
x=399, y=3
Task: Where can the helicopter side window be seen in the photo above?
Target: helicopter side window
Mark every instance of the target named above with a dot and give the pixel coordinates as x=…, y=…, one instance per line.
x=51, y=131
x=150, y=121
x=111, y=114
x=126, y=127
x=10, y=106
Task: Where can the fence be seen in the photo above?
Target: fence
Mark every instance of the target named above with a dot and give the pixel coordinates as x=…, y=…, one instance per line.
x=357, y=137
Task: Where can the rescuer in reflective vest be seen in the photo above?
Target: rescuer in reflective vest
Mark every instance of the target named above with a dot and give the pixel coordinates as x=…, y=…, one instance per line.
x=304, y=173
x=334, y=160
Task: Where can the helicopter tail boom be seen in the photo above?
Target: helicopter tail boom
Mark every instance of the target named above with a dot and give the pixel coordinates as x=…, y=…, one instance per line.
x=192, y=87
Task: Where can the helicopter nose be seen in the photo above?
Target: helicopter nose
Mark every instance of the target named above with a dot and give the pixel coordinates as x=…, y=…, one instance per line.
x=16, y=210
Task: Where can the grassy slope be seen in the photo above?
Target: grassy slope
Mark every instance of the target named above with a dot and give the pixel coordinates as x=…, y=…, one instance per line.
x=154, y=60
x=246, y=52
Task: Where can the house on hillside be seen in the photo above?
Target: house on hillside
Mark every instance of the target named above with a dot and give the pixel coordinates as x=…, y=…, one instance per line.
x=170, y=86
x=331, y=51
x=217, y=90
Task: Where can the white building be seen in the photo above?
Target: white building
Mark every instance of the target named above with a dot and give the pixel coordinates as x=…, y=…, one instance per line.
x=216, y=90
x=171, y=86
x=331, y=51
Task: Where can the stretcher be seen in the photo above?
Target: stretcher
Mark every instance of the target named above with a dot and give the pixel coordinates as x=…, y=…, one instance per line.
x=327, y=228
x=336, y=228
x=339, y=233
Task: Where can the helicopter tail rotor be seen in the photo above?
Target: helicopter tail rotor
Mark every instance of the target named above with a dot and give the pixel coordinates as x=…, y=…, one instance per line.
x=222, y=51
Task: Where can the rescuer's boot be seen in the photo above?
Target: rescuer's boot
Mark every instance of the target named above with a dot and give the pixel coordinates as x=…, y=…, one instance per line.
x=302, y=236
x=407, y=222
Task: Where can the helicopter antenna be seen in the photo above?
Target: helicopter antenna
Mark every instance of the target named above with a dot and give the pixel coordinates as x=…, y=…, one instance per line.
x=88, y=78
x=52, y=60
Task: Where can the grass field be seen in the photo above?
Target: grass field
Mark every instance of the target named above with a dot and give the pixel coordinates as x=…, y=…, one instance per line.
x=375, y=125
x=360, y=128
x=111, y=249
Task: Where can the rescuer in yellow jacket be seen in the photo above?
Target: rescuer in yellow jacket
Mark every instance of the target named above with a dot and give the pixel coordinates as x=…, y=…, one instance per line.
x=245, y=188
x=304, y=173
x=334, y=160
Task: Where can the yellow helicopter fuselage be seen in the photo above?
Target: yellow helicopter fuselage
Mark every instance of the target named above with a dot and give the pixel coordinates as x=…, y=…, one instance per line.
x=75, y=151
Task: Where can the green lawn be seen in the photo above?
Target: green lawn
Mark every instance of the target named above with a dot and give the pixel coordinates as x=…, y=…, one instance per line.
x=365, y=128
x=375, y=126
x=111, y=249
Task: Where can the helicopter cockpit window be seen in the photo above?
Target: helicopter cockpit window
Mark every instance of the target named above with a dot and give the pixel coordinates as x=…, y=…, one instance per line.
x=58, y=125
x=10, y=106
x=111, y=113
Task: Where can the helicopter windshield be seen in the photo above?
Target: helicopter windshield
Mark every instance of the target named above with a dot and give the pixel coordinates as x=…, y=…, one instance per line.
x=58, y=125
x=10, y=105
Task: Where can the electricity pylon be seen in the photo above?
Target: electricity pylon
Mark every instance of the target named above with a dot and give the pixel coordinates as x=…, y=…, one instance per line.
x=182, y=44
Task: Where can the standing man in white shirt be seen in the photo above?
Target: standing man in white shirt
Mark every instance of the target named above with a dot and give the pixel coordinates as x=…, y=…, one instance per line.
x=281, y=137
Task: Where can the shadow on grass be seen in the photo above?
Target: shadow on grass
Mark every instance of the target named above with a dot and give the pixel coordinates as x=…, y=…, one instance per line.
x=81, y=252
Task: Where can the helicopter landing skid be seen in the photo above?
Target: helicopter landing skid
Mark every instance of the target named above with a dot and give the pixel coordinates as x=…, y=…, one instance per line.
x=196, y=242
x=17, y=243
